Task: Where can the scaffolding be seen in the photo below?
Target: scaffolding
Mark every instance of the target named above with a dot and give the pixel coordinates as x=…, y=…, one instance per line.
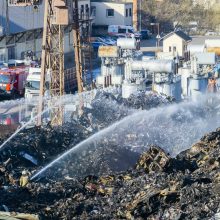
x=55, y=18
x=57, y=15
x=82, y=45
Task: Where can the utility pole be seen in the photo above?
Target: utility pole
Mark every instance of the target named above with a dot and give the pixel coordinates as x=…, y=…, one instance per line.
x=135, y=15
x=7, y=30
x=77, y=46
x=158, y=33
x=52, y=60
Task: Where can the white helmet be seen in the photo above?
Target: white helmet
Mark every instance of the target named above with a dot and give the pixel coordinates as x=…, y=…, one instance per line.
x=24, y=172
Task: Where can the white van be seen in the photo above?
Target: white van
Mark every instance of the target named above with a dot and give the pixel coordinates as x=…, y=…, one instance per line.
x=120, y=30
x=32, y=86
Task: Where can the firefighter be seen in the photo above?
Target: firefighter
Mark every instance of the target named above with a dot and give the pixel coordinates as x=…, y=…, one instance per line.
x=138, y=44
x=24, y=178
x=212, y=88
x=8, y=120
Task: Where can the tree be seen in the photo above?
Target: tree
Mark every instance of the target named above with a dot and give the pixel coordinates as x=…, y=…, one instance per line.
x=182, y=12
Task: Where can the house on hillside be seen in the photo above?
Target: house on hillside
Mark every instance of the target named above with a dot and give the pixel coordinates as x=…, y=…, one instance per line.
x=111, y=12
x=176, y=43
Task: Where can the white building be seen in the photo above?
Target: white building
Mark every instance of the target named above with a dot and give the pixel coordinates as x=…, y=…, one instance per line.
x=112, y=12
x=176, y=43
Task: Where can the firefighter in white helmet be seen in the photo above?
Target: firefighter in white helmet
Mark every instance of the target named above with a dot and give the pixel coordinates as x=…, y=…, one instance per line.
x=24, y=178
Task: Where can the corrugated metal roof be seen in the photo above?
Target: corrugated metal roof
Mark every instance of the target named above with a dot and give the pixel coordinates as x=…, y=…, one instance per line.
x=21, y=18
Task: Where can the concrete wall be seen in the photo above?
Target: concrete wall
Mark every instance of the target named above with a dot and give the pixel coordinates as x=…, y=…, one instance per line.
x=21, y=18
x=25, y=18
x=33, y=45
x=119, y=17
x=174, y=41
x=128, y=19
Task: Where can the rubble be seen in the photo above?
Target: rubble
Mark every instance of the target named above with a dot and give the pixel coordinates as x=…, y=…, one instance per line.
x=109, y=181
x=158, y=187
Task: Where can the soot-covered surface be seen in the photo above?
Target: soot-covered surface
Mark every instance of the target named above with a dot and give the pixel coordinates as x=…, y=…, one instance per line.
x=156, y=186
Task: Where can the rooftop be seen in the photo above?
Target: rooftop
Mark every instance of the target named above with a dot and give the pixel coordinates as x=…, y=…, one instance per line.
x=180, y=34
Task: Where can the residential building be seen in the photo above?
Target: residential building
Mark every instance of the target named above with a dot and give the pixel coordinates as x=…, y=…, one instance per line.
x=111, y=12
x=176, y=43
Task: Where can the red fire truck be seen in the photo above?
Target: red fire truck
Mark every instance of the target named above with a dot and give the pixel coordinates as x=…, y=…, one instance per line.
x=12, y=81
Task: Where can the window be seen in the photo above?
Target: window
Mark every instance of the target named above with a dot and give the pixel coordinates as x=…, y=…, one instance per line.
x=93, y=11
x=4, y=78
x=110, y=12
x=34, y=85
x=82, y=9
x=126, y=12
x=11, y=53
x=87, y=9
x=130, y=31
x=121, y=30
x=174, y=49
x=170, y=49
x=130, y=12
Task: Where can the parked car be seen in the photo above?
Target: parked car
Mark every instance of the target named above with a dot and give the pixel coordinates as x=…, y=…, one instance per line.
x=96, y=44
x=211, y=33
x=145, y=34
x=107, y=40
x=127, y=31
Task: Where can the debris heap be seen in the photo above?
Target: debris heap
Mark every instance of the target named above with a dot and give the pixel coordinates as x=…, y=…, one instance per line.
x=154, y=185
x=158, y=187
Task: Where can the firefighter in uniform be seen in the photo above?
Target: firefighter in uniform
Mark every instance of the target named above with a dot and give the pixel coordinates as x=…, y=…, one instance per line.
x=24, y=178
x=211, y=89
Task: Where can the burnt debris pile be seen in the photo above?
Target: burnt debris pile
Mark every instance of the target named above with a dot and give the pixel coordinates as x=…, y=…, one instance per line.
x=109, y=181
x=35, y=147
x=158, y=187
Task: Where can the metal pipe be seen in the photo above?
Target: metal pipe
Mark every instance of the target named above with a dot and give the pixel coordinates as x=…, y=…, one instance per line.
x=157, y=66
